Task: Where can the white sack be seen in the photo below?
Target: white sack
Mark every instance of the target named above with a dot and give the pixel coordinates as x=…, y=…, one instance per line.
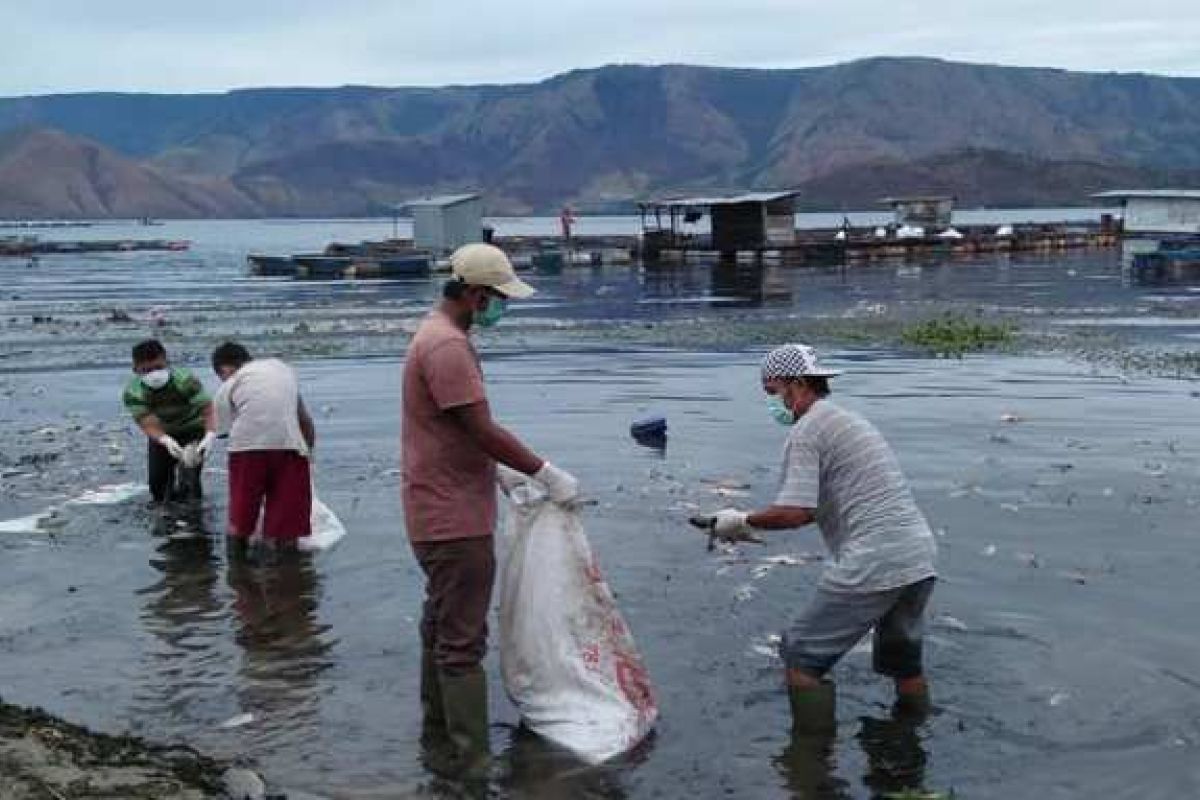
x=327, y=529
x=568, y=660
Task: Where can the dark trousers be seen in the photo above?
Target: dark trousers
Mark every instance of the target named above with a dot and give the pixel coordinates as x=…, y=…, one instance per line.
x=166, y=472
x=458, y=591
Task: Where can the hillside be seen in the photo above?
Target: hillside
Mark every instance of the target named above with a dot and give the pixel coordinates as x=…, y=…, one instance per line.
x=46, y=173
x=981, y=178
x=601, y=138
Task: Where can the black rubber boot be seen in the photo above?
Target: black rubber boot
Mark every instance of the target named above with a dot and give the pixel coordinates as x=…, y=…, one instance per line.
x=433, y=711
x=464, y=698
x=813, y=710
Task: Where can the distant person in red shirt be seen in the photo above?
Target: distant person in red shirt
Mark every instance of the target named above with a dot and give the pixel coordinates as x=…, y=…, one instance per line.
x=270, y=438
x=450, y=448
x=566, y=219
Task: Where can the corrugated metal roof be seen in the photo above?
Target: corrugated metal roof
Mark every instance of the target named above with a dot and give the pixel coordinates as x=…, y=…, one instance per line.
x=1160, y=194
x=442, y=200
x=723, y=200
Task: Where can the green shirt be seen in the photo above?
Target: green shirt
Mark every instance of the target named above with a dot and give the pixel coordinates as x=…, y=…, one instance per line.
x=179, y=405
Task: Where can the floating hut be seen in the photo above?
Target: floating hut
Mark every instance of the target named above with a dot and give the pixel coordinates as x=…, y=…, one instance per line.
x=442, y=224
x=1156, y=212
x=1160, y=233
x=744, y=222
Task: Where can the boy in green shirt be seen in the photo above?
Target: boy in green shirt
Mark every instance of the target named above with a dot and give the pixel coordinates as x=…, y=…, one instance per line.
x=171, y=407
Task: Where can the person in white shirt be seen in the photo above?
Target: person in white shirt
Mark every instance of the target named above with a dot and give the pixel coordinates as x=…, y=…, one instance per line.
x=271, y=436
x=840, y=473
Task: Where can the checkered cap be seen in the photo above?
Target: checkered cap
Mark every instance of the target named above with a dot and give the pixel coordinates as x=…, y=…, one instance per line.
x=794, y=361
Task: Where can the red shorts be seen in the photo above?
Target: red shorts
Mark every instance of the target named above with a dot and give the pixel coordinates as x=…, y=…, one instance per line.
x=276, y=483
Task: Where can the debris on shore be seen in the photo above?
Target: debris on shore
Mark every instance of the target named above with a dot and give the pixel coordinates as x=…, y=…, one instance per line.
x=42, y=757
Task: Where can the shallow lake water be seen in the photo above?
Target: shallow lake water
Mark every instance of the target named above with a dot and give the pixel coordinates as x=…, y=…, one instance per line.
x=1062, y=645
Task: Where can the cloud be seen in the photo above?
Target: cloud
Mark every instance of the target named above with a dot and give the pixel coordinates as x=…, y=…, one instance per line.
x=78, y=45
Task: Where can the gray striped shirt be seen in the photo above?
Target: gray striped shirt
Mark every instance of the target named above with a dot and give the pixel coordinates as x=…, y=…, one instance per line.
x=836, y=463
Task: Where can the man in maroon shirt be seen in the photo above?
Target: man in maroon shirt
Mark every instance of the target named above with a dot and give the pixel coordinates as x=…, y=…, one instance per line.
x=450, y=447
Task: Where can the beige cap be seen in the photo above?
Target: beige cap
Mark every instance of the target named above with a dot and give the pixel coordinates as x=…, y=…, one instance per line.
x=486, y=265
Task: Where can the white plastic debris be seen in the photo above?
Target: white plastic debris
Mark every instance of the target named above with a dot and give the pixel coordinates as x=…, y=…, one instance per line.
x=950, y=233
x=33, y=523
x=881, y=233
x=990, y=550
x=1005, y=230
x=568, y=659
x=111, y=494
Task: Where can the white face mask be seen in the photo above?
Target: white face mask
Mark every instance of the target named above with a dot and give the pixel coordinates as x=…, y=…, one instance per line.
x=157, y=379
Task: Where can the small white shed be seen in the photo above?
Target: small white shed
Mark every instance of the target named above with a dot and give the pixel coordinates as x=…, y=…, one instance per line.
x=442, y=224
x=1150, y=212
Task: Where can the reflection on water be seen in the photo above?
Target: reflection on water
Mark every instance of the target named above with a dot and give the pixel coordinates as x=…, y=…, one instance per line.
x=284, y=649
x=257, y=648
x=808, y=766
x=895, y=756
x=895, y=760
x=182, y=612
x=537, y=768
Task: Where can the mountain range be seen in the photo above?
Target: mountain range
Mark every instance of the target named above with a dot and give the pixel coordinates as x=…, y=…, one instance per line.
x=603, y=138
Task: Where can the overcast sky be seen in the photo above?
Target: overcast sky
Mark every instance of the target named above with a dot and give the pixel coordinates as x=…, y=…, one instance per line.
x=207, y=45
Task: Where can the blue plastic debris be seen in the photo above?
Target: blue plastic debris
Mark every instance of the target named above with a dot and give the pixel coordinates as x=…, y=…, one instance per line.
x=655, y=425
x=650, y=432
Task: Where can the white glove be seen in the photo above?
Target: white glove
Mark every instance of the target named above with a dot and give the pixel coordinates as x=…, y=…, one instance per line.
x=561, y=486
x=509, y=478
x=191, y=455
x=730, y=525
x=205, y=444
x=172, y=446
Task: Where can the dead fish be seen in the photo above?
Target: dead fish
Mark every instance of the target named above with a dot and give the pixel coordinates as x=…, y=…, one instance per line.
x=765, y=650
x=237, y=721
x=795, y=560
x=950, y=623
x=744, y=593
x=726, y=483
x=1028, y=559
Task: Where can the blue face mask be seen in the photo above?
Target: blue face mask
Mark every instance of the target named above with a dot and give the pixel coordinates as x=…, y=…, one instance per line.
x=491, y=313
x=780, y=412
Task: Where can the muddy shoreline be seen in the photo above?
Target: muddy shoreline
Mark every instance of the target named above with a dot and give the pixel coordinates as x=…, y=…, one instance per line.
x=43, y=756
